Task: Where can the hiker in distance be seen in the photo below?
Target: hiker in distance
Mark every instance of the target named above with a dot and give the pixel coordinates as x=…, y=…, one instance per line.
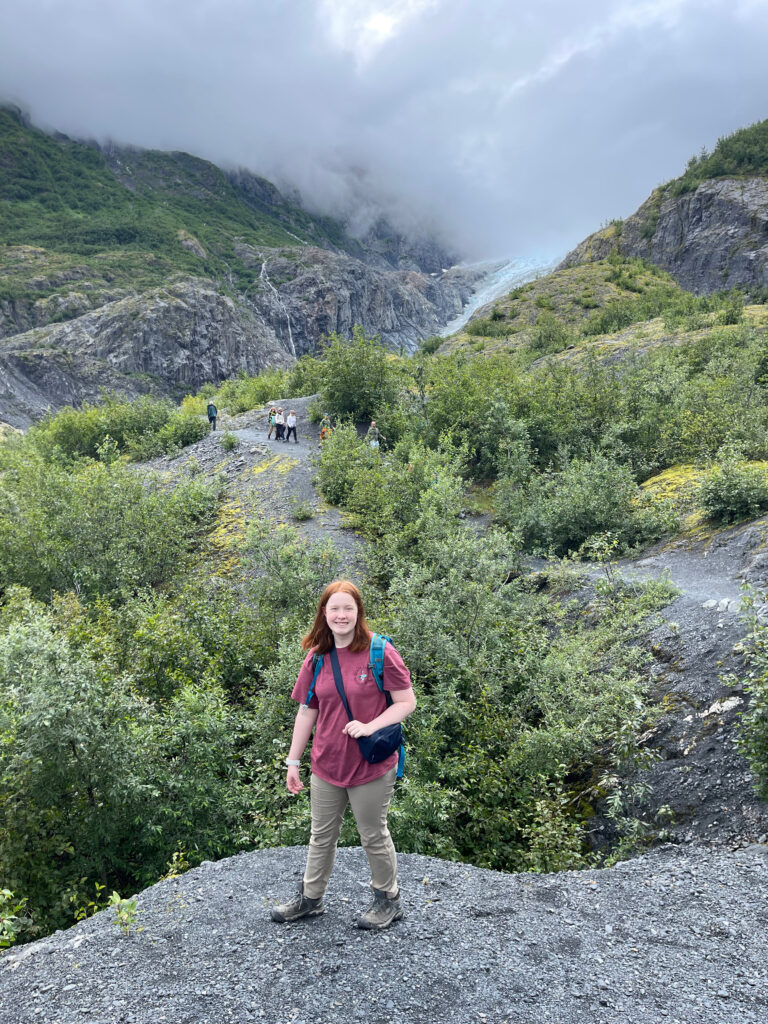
x=374, y=437
x=213, y=412
x=345, y=657
x=280, y=424
x=271, y=421
x=290, y=422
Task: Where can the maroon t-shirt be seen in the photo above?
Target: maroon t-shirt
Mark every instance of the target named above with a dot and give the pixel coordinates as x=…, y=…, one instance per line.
x=336, y=757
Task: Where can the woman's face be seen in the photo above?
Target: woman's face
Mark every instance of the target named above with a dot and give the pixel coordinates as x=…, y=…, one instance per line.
x=341, y=616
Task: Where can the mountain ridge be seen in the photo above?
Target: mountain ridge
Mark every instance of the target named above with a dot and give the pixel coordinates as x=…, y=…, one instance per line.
x=88, y=227
x=708, y=227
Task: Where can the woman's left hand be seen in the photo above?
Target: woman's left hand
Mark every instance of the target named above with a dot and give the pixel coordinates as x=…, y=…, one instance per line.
x=356, y=729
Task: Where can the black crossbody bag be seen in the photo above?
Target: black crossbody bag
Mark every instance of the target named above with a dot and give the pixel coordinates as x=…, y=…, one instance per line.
x=380, y=744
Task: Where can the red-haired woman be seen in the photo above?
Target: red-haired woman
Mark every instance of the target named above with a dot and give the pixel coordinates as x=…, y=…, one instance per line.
x=340, y=774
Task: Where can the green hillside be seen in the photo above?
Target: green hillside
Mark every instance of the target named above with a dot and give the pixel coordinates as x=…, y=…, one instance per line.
x=745, y=152
x=131, y=216
x=607, y=308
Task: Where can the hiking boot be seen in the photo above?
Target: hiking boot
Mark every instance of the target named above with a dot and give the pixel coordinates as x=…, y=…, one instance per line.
x=382, y=912
x=301, y=906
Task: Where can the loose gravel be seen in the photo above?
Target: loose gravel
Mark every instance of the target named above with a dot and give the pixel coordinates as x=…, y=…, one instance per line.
x=676, y=936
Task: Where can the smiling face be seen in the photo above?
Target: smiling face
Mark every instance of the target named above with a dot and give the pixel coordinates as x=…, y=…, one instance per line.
x=341, y=616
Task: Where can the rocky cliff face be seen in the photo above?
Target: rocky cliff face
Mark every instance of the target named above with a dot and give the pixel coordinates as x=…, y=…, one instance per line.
x=304, y=294
x=711, y=238
x=172, y=340
x=168, y=341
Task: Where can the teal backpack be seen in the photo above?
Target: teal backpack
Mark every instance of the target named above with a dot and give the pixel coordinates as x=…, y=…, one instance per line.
x=376, y=665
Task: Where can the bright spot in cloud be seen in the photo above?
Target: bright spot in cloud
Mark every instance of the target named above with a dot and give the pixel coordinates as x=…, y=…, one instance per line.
x=361, y=27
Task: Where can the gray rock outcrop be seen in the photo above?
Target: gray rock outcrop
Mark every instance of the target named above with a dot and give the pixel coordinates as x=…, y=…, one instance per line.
x=169, y=341
x=712, y=238
x=673, y=936
x=305, y=294
x=172, y=340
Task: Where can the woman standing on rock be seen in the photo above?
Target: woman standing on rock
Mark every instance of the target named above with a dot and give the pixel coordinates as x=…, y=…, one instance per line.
x=340, y=772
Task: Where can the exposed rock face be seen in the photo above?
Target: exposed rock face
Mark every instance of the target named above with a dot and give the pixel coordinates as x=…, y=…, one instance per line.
x=715, y=237
x=318, y=292
x=168, y=341
x=175, y=339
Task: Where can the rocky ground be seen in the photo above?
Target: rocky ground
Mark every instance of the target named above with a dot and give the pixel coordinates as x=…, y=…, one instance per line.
x=676, y=936
x=696, y=673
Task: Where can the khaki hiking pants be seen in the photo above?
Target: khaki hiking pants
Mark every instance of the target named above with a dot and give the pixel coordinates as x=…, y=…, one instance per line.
x=370, y=803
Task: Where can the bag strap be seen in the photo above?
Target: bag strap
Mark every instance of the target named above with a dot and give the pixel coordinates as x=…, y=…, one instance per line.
x=378, y=643
x=317, y=664
x=337, y=678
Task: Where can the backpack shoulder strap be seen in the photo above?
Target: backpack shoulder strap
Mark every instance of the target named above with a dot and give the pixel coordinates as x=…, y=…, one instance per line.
x=317, y=664
x=378, y=643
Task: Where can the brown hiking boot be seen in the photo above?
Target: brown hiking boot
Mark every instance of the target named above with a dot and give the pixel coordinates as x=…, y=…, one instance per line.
x=383, y=912
x=301, y=906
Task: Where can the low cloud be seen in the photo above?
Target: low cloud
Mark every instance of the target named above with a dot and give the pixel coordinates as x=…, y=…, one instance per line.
x=509, y=129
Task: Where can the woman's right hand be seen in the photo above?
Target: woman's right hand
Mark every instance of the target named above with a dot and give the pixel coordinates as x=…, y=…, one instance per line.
x=293, y=780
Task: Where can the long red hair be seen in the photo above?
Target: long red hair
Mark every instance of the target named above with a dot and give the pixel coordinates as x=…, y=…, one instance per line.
x=320, y=636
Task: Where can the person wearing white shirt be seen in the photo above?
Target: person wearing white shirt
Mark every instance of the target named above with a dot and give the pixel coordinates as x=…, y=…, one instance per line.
x=291, y=423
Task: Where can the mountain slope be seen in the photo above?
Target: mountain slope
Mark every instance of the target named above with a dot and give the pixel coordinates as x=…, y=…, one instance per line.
x=93, y=236
x=708, y=228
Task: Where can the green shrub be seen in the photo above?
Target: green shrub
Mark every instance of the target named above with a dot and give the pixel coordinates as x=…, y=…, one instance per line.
x=301, y=510
x=732, y=311
x=732, y=489
x=488, y=327
x=549, y=335
x=97, y=528
x=560, y=511
x=359, y=376
x=344, y=458
x=97, y=784
x=229, y=441
x=180, y=430
x=243, y=393
x=430, y=345
x=73, y=433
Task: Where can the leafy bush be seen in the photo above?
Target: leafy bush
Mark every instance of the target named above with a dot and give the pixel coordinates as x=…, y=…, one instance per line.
x=561, y=510
x=96, y=528
x=732, y=488
x=243, y=393
x=180, y=430
x=73, y=433
x=430, y=345
x=359, y=376
x=229, y=441
x=344, y=458
x=96, y=783
x=488, y=327
x=549, y=334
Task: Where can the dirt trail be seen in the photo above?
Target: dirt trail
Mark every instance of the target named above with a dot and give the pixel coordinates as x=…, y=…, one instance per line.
x=268, y=479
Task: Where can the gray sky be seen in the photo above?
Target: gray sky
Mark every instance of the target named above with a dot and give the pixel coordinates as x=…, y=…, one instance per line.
x=516, y=127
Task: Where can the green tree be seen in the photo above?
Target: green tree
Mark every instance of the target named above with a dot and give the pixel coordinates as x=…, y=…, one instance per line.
x=359, y=376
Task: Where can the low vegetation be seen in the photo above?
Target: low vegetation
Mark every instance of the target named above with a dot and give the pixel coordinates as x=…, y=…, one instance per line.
x=742, y=153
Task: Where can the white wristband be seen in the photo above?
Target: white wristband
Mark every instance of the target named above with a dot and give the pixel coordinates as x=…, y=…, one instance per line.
x=292, y=764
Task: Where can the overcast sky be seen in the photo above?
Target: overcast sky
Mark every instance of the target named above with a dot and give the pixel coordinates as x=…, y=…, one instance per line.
x=516, y=127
